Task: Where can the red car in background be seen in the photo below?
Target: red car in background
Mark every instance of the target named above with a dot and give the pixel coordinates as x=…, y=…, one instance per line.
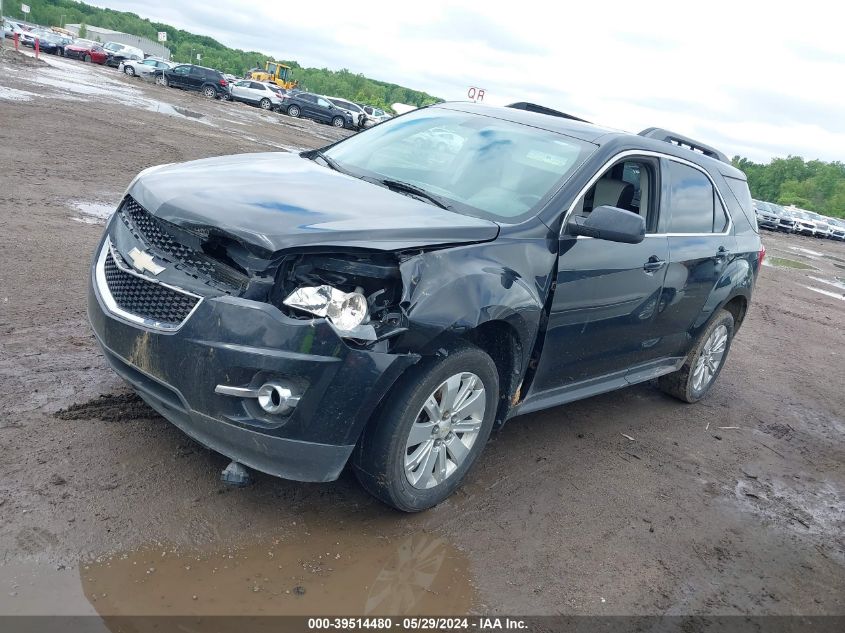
x=87, y=51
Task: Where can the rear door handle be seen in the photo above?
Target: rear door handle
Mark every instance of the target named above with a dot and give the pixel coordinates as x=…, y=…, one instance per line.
x=653, y=264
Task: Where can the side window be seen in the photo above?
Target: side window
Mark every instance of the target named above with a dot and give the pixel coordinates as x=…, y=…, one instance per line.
x=182, y=70
x=631, y=185
x=691, y=200
x=323, y=102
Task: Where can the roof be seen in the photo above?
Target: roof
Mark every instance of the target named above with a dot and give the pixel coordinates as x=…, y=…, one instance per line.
x=595, y=133
x=569, y=127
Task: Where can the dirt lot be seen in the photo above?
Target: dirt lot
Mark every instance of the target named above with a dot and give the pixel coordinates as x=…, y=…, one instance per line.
x=734, y=505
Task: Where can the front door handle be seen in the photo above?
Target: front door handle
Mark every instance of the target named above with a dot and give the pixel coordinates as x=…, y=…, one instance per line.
x=653, y=264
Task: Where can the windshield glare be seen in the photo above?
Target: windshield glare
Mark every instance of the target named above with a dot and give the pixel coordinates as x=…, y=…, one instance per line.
x=478, y=165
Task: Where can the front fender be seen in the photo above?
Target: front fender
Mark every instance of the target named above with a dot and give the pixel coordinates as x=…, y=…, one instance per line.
x=453, y=291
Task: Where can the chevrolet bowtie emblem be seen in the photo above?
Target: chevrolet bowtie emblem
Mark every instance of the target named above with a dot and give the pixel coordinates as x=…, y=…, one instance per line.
x=142, y=261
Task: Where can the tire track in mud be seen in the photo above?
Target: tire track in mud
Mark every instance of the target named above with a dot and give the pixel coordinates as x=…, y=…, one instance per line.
x=109, y=407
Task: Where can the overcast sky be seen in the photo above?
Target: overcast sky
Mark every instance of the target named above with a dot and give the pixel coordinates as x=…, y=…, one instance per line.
x=751, y=78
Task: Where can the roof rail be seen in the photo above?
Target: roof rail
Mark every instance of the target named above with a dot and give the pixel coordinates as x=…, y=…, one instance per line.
x=533, y=107
x=684, y=141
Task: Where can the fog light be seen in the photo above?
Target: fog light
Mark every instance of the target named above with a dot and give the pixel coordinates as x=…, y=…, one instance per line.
x=276, y=398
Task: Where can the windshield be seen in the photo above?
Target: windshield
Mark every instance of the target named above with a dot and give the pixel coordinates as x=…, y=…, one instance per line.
x=479, y=165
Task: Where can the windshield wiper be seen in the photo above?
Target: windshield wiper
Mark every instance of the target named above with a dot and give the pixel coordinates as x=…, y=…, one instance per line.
x=406, y=187
x=329, y=161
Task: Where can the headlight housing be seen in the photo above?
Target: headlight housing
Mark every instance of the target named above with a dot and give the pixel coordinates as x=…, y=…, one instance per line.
x=346, y=310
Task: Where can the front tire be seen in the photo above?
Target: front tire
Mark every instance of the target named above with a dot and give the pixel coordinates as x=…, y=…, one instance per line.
x=338, y=121
x=293, y=111
x=704, y=363
x=430, y=431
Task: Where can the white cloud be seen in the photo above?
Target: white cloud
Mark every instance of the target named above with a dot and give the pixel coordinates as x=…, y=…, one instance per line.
x=753, y=78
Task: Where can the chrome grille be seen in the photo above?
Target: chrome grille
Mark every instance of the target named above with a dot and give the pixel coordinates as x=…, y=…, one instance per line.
x=140, y=299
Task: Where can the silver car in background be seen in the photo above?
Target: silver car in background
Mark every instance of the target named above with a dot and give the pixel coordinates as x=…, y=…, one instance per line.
x=265, y=96
x=144, y=67
x=767, y=217
x=837, y=229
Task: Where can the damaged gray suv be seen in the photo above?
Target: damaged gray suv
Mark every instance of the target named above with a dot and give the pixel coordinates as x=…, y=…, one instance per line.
x=386, y=301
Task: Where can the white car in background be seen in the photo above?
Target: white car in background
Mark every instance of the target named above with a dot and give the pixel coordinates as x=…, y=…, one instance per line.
x=144, y=67
x=356, y=111
x=265, y=96
x=805, y=224
x=374, y=116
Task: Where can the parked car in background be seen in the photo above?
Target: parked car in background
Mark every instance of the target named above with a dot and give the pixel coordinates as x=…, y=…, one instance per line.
x=11, y=28
x=118, y=53
x=257, y=93
x=767, y=217
x=207, y=81
x=29, y=35
x=374, y=115
x=316, y=107
x=53, y=43
x=837, y=229
x=357, y=112
x=144, y=67
x=87, y=51
x=822, y=226
x=805, y=224
x=787, y=220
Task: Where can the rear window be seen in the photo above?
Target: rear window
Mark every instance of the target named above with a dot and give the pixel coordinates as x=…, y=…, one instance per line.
x=739, y=189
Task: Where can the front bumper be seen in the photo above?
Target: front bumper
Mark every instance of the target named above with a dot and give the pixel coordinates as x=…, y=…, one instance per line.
x=236, y=342
x=767, y=223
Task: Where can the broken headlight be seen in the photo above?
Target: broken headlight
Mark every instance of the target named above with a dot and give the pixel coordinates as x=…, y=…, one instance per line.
x=346, y=310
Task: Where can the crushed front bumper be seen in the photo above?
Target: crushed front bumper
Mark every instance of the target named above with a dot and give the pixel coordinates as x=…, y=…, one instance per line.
x=239, y=343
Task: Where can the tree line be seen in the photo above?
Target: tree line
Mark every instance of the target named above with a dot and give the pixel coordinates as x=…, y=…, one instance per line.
x=813, y=185
x=185, y=46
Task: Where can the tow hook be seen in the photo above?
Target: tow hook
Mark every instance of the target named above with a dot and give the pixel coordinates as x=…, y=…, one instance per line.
x=235, y=474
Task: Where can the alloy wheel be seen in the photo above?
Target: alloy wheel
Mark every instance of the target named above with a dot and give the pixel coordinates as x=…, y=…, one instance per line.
x=710, y=359
x=445, y=430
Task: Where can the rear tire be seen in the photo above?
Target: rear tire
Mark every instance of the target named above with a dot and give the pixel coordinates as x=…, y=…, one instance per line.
x=87, y=59
x=129, y=71
x=209, y=92
x=265, y=104
x=704, y=363
x=430, y=430
x=161, y=80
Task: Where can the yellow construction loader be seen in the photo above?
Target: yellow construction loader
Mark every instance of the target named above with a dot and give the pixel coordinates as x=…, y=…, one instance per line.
x=275, y=72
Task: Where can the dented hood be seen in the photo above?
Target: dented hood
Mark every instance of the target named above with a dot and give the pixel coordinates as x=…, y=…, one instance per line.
x=277, y=201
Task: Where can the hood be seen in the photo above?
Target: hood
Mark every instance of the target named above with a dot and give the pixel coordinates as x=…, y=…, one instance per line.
x=278, y=201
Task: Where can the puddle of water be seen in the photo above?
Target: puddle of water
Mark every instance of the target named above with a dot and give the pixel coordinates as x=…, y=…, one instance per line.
x=836, y=283
x=788, y=263
x=94, y=212
x=328, y=573
x=829, y=293
x=13, y=94
x=806, y=251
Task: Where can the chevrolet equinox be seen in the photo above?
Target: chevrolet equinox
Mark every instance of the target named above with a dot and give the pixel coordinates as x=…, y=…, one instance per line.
x=386, y=301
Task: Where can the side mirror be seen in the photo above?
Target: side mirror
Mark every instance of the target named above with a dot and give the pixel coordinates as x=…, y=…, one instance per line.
x=609, y=223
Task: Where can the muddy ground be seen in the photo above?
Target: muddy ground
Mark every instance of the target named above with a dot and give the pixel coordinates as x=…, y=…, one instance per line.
x=734, y=505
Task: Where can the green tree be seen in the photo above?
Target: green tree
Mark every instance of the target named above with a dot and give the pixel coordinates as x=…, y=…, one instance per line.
x=83, y=30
